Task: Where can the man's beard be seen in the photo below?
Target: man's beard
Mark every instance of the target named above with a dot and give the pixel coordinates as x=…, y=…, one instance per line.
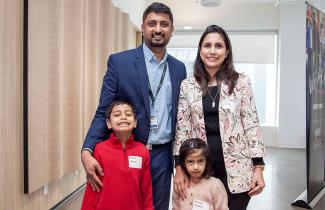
x=158, y=45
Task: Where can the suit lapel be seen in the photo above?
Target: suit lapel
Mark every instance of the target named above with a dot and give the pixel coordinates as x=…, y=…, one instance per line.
x=141, y=68
x=174, y=83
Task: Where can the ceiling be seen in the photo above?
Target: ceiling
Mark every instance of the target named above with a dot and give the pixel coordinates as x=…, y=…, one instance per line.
x=192, y=13
x=230, y=14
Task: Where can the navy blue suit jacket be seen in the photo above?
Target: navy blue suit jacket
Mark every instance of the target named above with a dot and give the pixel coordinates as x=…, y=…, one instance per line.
x=127, y=79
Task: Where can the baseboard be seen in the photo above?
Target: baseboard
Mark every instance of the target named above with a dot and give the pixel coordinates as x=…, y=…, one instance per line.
x=285, y=147
x=69, y=197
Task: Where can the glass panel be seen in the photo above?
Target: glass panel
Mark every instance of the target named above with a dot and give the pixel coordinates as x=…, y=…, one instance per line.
x=263, y=77
x=186, y=55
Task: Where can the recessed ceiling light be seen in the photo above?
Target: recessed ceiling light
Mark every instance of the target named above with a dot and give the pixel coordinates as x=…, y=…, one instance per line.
x=210, y=3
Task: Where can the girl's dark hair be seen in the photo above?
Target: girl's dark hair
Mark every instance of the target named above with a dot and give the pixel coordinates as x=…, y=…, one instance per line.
x=188, y=147
x=226, y=72
x=116, y=103
x=157, y=7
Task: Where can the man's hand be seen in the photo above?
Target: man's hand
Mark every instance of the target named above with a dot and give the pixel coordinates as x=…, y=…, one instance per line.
x=91, y=166
x=181, y=182
x=257, y=182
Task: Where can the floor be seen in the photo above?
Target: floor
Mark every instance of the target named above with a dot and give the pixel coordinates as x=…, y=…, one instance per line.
x=285, y=178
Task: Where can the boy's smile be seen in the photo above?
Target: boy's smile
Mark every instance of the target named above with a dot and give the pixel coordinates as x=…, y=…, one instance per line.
x=122, y=119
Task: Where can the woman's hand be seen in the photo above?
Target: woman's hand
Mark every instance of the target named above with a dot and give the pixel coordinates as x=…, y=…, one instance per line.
x=181, y=182
x=258, y=184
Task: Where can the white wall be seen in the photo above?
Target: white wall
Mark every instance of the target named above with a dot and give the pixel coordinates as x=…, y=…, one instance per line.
x=227, y=15
x=134, y=8
x=292, y=76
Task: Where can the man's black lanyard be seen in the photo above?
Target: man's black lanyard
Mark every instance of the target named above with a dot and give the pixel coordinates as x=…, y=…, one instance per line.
x=153, y=98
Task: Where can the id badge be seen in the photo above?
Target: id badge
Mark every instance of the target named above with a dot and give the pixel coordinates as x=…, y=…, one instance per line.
x=135, y=162
x=226, y=104
x=200, y=205
x=153, y=122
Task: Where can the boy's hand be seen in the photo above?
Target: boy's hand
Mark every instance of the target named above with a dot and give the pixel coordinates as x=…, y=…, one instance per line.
x=181, y=182
x=91, y=166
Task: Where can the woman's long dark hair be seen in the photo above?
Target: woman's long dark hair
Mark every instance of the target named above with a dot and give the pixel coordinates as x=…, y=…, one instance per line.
x=226, y=73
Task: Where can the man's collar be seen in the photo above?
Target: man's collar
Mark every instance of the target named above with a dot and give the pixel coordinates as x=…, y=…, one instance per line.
x=150, y=56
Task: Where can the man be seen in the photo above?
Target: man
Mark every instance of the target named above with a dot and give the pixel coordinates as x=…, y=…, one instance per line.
x=150, y=79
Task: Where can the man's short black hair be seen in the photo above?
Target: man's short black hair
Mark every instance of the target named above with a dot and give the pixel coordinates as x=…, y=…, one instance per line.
x=157, y=7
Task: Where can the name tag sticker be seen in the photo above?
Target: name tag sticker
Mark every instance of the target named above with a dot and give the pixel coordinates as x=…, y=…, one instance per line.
x=226, y=104
x=200, y=205
x=135, y=162
x=153, y=122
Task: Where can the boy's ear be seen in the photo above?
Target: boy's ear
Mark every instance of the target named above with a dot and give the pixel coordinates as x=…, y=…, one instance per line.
x=135, y=123
x=108, y=123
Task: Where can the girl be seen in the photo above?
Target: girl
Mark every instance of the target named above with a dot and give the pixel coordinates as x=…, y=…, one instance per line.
x=205, y=192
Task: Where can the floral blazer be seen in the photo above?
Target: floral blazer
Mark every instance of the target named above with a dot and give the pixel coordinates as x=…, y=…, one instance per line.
x=239, y=127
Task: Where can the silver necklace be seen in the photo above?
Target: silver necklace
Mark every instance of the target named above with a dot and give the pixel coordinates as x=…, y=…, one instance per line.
x=214, y=98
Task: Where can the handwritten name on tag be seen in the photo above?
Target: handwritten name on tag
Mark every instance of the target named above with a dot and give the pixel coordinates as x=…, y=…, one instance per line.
x=135, y=162
x=200, y=205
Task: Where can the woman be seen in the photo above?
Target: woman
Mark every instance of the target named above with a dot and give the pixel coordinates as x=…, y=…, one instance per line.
x=217, y=105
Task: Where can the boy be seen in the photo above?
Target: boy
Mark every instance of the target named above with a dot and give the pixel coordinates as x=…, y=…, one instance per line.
x=126, y=164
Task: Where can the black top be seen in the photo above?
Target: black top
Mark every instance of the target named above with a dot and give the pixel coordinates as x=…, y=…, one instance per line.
x=212, y=128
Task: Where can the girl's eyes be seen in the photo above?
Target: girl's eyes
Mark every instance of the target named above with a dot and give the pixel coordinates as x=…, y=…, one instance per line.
x=200, y=162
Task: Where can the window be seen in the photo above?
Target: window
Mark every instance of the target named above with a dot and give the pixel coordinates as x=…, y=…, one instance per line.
x=263, y=77
x=186, y=55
